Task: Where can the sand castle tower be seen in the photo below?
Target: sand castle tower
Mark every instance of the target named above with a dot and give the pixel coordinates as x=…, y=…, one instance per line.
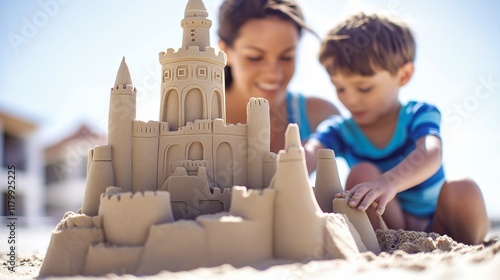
x=193, y=80
x=120, y=126
x=259, y=141
x=298, y=218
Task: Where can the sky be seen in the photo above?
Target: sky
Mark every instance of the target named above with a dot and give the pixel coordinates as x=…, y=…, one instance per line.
x=59, y=58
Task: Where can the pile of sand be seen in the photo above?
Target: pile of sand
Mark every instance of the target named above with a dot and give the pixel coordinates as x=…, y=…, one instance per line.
x=405, y=254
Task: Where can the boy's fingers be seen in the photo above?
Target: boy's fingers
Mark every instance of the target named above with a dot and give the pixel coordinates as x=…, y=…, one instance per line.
x=343, y=194
x=357, y=197
x=381, y=205
x=380, y=210
x=367, y=201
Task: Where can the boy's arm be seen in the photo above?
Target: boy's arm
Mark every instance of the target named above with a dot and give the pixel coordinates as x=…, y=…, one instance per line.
x=418, y=166
x=311, y=151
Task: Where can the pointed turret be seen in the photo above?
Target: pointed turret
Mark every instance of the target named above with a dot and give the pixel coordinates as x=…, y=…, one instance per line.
x=196, y=25
x=123, y=75
x=120, y=127
x=327, y=180
x=292, y=137
x=194, y=8
x=298, y=219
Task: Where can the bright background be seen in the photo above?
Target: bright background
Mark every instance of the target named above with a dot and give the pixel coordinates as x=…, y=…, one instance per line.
x=58, y=61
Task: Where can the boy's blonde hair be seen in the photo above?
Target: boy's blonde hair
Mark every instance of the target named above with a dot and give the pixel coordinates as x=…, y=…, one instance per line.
x=365, y=43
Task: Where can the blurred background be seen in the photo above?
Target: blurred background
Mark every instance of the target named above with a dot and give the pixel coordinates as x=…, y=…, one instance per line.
x=59, y=58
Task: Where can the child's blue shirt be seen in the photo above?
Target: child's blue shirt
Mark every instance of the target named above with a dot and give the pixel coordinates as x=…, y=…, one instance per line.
x=416, y=119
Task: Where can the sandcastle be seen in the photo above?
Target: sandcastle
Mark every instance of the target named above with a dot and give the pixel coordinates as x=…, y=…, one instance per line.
x=170, y=195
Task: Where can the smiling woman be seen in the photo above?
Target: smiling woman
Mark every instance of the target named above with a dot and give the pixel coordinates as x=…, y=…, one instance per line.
x=260, y=39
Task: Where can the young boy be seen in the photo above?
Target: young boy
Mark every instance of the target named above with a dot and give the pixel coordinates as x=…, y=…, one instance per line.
x=393, y=149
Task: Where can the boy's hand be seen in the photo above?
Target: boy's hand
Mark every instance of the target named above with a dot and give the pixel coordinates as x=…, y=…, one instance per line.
x=378, y=191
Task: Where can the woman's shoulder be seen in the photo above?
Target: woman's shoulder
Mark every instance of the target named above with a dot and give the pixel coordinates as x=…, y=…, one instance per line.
x=319, y=109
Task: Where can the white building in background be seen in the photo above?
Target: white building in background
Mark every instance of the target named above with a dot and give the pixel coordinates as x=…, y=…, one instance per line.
x=20, y=151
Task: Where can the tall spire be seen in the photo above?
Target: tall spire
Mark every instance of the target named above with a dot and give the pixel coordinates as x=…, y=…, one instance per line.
x=196, y=25
x=292, y=137
x=123, y=75
x=195, y=8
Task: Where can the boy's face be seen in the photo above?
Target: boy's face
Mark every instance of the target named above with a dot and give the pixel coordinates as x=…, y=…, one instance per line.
x=368, y=98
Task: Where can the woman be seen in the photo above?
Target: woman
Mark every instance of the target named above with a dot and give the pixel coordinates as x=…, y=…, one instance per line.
x=260, y=38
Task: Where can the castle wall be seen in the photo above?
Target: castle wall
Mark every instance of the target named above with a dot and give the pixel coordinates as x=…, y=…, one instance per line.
x=102, y=259
x=176, y=147
x=230, y=153
x=223, y=151
x=257, y=210
x=145, y=156
x=69, y=245
x=178, y=246
x=128, y=216
x=270, y=163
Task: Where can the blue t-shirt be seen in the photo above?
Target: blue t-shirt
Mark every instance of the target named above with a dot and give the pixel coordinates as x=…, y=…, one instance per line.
x=416, y=119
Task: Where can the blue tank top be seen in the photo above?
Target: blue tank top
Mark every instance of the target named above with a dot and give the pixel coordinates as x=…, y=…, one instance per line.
x=296, y=105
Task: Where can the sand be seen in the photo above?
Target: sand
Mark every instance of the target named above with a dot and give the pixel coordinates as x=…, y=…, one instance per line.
x=406, y=255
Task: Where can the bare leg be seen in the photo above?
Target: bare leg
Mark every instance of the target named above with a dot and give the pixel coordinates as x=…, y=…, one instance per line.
x=393, y=214
x=461, y=213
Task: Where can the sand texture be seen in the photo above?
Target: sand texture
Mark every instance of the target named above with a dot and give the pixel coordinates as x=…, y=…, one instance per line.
x=405, y=255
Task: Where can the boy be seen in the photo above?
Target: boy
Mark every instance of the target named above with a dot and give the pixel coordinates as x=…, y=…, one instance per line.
x=393, y=149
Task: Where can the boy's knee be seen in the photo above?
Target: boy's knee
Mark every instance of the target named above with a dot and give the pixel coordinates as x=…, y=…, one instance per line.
x=462, y=189
x=360, y=173
x=461, y=194
x=366, y=168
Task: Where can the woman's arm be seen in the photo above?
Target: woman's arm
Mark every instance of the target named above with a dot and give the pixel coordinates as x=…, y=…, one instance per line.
x=318, y=110
x=311, y=152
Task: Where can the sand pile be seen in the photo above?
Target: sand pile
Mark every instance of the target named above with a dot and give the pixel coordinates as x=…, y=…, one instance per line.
x=405, y=254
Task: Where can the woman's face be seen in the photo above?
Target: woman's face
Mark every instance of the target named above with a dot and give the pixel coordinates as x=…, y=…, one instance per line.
x=262, y=58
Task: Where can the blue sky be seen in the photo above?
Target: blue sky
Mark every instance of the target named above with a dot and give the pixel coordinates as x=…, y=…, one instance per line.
x=58, y=61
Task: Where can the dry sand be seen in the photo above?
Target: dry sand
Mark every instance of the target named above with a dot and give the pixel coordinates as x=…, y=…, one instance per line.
x=407, y=255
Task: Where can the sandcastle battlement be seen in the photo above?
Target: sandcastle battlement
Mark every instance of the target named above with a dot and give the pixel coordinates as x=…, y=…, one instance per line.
x=270, y=157
x=146, y=129
x=251, y=204
x=219, y=191
x=194, y=53
x=123, y=89
x=189, y=165
x=219, y=127
x=100, y=153
x=197, y=125
x=257, y=103
x=129, y=197
x=193, y=19
x=292, y=154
